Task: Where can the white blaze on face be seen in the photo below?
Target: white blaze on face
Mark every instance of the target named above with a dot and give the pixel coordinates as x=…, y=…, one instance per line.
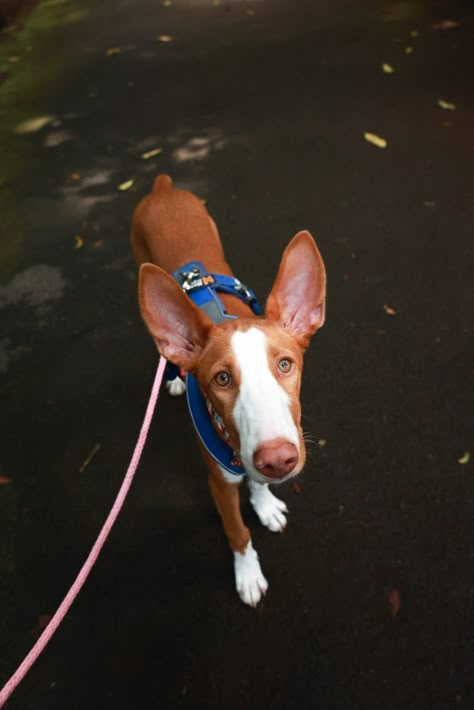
x=262, y=408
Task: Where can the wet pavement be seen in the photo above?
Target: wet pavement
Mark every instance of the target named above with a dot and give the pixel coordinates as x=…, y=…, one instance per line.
x=260, y=108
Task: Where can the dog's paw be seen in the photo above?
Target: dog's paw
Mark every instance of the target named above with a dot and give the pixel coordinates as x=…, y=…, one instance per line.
x=176, y=387
x=249, y=580
x=270, y=509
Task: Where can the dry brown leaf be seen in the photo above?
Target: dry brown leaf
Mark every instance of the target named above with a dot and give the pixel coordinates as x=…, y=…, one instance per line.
x=296, y=488
x=375, y=140
x=445, y=25
x=394, y=602
x=4, y=480
x=389, y=311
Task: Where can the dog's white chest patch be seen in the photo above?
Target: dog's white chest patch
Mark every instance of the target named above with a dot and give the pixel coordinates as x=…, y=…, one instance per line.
x=262, y=408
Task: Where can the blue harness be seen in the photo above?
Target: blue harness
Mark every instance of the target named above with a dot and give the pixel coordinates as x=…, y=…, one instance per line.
x=203, y=289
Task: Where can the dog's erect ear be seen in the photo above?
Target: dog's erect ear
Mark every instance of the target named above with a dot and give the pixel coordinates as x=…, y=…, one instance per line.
x=298, y=297
x=180, y=329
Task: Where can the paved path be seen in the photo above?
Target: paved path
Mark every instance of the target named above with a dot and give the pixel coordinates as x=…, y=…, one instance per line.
x=261, y=109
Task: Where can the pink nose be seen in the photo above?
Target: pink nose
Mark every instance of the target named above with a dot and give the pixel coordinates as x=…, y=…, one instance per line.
x=276, y=458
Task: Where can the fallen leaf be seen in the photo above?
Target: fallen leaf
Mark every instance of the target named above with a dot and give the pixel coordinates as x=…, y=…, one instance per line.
x=79, y=242
x=95, y=449
x=113, y=51
x=394, y=602
x=167, y=3
x=250, y=12
x=446, y=105
x=75, y=177
x=445, y=25
x=389, y=311
x=296, y=488
x=465, y=458
x=414, y=33
x=322, y=443
x=13, y=60
x=387, y=68
x=126, y=185
x=429, y=203
x=375, y=140
x=216, y=2
x=43, y=621
x=165, y=38
x=4, y=480
x=151, y=153
x=33, y=124
x=409, y=50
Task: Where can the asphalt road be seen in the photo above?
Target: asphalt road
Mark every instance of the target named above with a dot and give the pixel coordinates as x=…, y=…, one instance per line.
x=260, y=108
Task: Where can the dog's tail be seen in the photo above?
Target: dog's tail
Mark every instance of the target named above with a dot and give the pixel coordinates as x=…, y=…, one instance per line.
x=162, y=182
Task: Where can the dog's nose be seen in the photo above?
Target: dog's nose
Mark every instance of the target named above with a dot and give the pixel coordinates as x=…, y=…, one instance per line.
x=276, y=458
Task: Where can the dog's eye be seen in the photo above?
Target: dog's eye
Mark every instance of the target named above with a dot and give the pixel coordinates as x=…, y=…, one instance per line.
x=285, y=365
x=223, y=379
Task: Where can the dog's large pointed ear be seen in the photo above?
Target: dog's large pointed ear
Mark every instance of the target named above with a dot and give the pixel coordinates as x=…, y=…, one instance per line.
x=180, y=329
x=298, y=297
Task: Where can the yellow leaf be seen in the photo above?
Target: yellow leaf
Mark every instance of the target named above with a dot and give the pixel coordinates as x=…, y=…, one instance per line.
x=414, y=33
x=79, y=242
x=446, y=105
x=33, y=124
x=151, y=153
x=113, y=50
x=465, y=458
x=165, y=38
x=387, y=68
x=389, y=311
x=375, y=140
x=322, y=443
x=126, y=185
x=408, y=50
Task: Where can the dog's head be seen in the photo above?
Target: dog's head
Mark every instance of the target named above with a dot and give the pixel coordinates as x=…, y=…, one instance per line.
x=249, y=368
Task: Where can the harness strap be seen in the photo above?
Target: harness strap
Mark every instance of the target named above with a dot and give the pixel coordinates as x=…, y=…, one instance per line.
x=203, y=288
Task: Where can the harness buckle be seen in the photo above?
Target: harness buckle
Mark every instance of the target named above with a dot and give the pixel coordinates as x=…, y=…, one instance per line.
x=189, y=277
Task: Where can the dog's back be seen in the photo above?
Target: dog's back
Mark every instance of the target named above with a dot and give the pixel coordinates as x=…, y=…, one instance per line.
x=171, y=227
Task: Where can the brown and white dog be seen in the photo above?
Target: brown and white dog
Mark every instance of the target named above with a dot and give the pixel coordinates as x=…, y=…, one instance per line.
x=249, y=368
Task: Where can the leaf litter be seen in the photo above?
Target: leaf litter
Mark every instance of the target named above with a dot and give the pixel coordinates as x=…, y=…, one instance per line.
x=375, y=140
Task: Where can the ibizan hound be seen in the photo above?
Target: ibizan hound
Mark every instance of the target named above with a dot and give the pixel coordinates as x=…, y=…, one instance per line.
x=247, y=367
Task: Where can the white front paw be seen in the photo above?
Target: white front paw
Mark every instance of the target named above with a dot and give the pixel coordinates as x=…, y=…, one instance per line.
x=270, y=509
x=249, y=579
x=176, y=387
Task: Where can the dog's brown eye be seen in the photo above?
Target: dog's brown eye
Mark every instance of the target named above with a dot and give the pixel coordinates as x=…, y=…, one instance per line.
x=222, y=379
x=285, y=365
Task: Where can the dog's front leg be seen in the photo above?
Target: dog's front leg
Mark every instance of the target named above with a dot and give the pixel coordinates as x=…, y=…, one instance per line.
x=249, y=580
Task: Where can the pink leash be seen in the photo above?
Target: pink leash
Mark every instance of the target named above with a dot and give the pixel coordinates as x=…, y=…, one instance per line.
x=66, y=604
